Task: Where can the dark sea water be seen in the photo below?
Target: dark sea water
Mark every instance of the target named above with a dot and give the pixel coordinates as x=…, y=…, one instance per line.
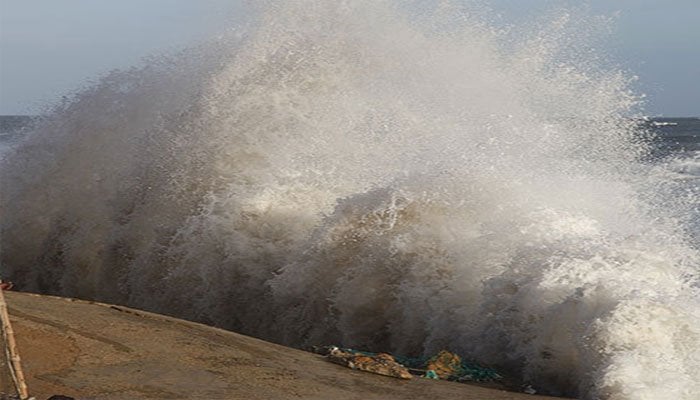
x=678, y=137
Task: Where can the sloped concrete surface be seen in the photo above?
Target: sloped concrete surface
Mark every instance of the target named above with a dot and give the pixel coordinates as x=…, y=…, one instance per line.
x=97, y=351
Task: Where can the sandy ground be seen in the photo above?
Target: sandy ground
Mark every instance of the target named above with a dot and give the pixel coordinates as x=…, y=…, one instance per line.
x=97, y=351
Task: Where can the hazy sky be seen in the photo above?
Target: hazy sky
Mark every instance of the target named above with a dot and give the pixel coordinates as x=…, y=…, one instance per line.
x=51, y=47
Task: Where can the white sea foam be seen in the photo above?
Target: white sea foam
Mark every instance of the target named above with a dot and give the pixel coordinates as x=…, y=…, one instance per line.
x=688, y=166
x=362, y=174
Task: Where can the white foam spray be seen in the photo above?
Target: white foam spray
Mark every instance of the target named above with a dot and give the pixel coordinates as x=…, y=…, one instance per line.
x=363, y=174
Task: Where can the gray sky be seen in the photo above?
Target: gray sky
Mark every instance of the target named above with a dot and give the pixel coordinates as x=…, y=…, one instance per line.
x=51, y=47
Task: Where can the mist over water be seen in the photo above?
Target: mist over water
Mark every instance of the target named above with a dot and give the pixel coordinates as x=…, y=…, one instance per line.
x=364, y=174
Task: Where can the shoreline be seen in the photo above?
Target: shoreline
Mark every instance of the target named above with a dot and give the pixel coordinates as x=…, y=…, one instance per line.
x=92, y=350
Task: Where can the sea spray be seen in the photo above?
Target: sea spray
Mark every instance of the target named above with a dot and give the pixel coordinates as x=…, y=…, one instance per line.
x=363, y=174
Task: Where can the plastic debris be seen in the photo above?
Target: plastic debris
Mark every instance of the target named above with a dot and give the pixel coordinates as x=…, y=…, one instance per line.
x=430, y=374
x=449, y=366
x=381, y=363
x=444, y=365
x=452, y=367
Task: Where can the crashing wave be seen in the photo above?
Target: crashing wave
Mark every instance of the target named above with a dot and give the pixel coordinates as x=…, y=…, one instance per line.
x=374, y=176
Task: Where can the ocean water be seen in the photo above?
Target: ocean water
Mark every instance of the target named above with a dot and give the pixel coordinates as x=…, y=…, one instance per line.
x=372, y=176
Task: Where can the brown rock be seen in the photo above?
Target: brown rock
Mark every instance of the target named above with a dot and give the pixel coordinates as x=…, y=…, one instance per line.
x=445, y=364
x=382, y=363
